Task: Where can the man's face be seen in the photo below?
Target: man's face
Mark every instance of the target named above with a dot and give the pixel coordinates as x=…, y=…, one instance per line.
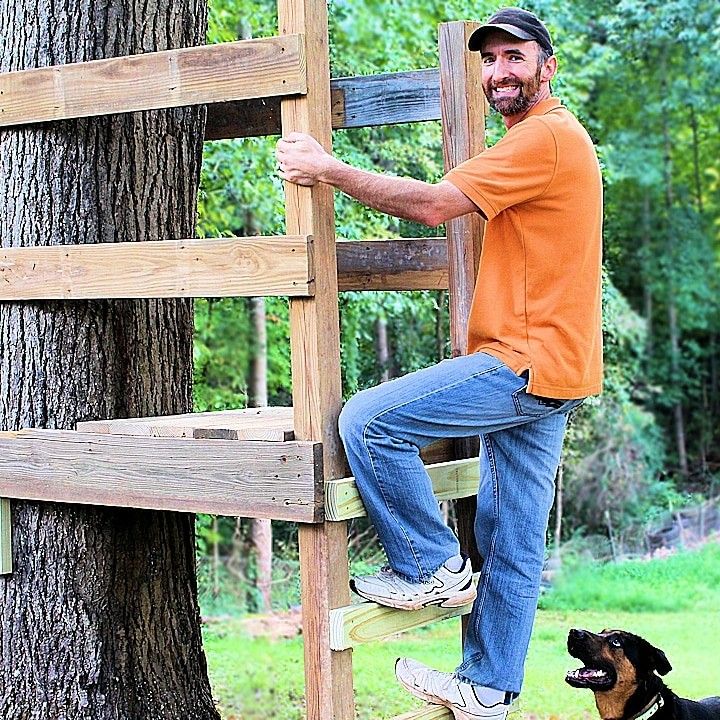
x=512, y=74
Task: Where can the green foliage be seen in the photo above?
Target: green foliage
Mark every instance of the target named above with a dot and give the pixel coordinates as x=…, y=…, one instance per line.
x=681, y=582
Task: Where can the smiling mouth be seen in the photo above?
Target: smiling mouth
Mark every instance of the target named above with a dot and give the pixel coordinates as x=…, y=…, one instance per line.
x=587, y=677
x=506, y=90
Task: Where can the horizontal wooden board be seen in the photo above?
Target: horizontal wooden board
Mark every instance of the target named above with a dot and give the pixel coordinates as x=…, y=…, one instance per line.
x=363, y=101
x=280, y=481
x=268, y=424
x=429, y=712
x=170, y=78
x=5, y=537
x=367, y=621
x=453, y=479
x=402, y=264
x=172, y=268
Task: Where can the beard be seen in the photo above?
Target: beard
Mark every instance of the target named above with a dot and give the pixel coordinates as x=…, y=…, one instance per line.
x=526, y=98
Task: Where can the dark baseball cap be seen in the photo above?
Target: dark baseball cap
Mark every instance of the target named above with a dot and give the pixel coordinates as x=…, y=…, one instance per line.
x=519, y=23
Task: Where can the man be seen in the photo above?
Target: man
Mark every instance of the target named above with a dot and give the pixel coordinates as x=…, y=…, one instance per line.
x=535, y=352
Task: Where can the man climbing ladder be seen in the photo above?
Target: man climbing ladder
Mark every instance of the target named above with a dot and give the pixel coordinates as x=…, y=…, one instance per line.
x=534, y=343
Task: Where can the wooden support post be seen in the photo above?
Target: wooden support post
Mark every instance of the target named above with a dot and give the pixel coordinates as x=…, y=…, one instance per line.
x=5, y=537
x=315, y=351
x=463, y=109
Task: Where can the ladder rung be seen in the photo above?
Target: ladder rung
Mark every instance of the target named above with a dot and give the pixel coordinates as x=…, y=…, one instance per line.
x=367, y=621
x=429, y=712
x=453, y=479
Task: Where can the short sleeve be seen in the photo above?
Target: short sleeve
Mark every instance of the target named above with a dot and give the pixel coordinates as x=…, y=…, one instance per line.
x=516, y=169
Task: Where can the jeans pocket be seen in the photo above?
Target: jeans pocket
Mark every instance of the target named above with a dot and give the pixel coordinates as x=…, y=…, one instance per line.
x=536, y=406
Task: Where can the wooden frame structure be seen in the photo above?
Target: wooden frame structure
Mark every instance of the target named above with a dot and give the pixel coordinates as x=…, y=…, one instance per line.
x=279, y=463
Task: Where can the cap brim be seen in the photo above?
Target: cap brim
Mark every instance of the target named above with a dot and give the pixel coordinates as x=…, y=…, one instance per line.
x=476, y=39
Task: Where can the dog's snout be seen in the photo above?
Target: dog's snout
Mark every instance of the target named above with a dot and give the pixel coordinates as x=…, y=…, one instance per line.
x=576, y=635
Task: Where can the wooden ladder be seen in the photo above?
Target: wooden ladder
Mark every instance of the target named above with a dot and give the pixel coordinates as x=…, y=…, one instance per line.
x=278, y=463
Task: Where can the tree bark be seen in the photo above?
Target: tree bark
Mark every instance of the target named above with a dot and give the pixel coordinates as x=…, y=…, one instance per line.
x=100, y=619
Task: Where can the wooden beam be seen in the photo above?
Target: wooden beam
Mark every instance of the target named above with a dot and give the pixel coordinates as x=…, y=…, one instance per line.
x=363, y=101
x=464, y=108
x=281, y=481
x=5, y=537
x=402, y=264
x=270, y=424
x=367, y=621
x=454, y=479
x=428, y=712
x=218, y=267
x=170, y=78
x=317, y=392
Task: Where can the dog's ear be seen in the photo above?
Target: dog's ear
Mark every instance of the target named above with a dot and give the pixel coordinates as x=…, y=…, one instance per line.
x=658, y=660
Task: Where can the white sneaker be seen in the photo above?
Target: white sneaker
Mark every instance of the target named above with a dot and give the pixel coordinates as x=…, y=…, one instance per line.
x=465, y=701
x=446, y=588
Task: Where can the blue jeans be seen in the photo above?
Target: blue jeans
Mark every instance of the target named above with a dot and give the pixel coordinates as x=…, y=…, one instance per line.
x=521, y=437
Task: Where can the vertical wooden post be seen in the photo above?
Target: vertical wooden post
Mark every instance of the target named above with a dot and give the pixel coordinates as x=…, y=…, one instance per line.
x=315, y=349
x=5, y=538
x=463, y=109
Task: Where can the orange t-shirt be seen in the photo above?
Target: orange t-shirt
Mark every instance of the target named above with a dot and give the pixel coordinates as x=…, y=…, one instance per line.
x=537, y=298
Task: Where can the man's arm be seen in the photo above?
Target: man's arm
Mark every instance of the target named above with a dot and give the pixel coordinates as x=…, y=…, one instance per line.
x=304, y=161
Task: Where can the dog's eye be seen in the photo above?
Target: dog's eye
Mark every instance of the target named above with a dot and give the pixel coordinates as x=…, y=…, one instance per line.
x=615, y=643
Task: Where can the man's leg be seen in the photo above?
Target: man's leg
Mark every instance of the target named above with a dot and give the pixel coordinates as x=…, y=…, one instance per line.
x=383, y=430
x=514, y=500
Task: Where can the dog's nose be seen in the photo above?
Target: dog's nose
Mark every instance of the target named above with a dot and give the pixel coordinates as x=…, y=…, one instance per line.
x=575, y=637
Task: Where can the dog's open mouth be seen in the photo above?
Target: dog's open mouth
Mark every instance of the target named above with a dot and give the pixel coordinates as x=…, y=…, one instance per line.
x=588, y=677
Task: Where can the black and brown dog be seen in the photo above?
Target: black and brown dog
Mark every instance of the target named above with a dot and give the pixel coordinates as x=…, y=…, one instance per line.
x=620, y=668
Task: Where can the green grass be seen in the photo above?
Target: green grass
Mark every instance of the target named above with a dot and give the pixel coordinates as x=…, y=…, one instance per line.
x=256, y=679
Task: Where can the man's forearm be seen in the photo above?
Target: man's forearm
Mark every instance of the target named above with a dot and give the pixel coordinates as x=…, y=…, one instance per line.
x=401, y=197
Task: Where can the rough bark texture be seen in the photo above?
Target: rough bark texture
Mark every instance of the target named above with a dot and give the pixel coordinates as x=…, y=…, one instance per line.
x=100, y=618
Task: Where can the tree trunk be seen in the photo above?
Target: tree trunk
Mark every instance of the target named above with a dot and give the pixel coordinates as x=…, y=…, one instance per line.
x=261, y=529
x=100, y=619
x=382, y=348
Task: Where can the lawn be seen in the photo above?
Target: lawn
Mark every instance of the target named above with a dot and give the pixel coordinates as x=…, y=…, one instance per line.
x=256, y=679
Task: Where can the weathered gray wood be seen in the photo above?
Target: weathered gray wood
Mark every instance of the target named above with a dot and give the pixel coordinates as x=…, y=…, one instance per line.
x=267, y=424
x=367, y=621
x=454, y=479
x=5, y=537
x=402, y=264
x=214, y=267
x=362, y=101
x=281, y=481
x=170, y=78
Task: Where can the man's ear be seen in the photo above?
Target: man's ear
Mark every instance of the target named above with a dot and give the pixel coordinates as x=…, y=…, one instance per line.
x=549, y=69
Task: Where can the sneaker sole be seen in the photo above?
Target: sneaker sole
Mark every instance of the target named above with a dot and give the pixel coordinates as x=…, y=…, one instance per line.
x=454, y=601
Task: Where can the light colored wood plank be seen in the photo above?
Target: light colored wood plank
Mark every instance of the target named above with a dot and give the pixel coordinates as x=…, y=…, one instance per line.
x=367, y=621
x=5, y=537
x=170, y=78
x=281, y=481
x=402, y=264
x=362, y=101
x=315, y=357
x=429, y=712
x=172, y=268
x=454, y=479
x=270, y=424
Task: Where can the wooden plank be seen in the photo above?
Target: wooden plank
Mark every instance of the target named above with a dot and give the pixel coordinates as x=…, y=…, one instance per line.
x=454, y=479
x=270, y=424
x=402, y=264
x=281, y=481
x=315, y=358
x=440, y=451
x=463, y=108
x=428, y=712
x=170, y=78
x=5, y=537
x=218, y=267
x=367, y=621
x=362, y=101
